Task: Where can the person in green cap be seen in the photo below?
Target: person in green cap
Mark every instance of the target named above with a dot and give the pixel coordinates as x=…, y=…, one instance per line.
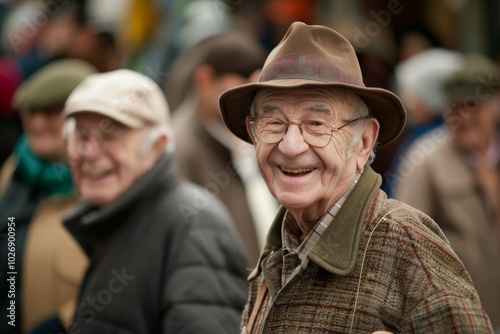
x=41, y=265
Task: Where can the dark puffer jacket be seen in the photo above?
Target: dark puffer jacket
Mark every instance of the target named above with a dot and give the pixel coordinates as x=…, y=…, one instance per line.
x=164, y=259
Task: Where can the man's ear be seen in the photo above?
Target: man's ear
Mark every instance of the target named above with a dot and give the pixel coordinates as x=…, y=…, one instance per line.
x=161, y=144
x=249, y=129
x=368, y=140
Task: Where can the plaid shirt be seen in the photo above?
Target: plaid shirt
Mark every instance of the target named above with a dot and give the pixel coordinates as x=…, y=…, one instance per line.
x=295, y=252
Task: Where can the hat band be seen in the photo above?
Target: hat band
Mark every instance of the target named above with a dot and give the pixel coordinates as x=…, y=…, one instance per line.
x=310, y=68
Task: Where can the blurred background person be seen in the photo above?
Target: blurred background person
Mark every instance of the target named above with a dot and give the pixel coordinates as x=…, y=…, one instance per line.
x=36, y=189
x=164, y=256
x=456, y=183
x=36, y=33
x=206, y=151
x=418, y=81
x=156, y=32
x=413, y=38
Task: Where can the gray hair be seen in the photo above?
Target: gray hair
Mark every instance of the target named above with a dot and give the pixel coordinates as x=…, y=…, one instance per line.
x=360, y=109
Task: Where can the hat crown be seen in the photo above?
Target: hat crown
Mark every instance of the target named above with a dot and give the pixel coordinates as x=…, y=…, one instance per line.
x=124, y=95
x=52, y=84
x=315, y=53
x=124, y=87
x=313, y=57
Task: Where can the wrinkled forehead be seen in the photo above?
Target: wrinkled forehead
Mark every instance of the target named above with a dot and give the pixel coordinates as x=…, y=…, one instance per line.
x=335, y=102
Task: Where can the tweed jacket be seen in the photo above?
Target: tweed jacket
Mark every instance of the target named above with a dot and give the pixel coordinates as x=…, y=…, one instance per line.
x=445, y=187
x=380, y=265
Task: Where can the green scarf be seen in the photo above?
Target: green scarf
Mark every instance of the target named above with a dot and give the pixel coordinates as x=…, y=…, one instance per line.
x=52, y=177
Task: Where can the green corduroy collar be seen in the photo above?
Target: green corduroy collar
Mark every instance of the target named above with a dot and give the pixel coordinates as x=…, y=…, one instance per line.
x=337, y=249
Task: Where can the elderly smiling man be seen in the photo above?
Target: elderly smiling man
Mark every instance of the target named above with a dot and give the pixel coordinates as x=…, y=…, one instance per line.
x=340, y=256
x=163, y=255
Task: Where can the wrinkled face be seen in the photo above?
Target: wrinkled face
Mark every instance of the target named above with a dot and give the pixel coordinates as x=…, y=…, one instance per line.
x=106, y=158
x=473, y=124
x=43, y=130
x=301, y=176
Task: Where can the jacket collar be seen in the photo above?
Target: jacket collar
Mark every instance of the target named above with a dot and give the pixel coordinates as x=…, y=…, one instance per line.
x=337, y=249
x=91, y=225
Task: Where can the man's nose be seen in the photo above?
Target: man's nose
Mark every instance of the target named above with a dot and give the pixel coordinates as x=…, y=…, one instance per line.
x=293, y=141
x=37, y=120
x=90, y=149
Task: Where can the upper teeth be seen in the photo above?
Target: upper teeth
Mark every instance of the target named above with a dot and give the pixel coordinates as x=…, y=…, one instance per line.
x=302, y=170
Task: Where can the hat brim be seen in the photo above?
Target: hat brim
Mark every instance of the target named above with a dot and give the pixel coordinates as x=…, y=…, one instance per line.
x=385, y=106
x=98, y=108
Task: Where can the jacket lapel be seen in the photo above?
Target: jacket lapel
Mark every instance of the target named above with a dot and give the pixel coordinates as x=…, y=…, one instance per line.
x=336, y=251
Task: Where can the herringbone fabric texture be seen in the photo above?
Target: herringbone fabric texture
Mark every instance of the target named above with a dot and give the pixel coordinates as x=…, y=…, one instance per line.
x=405, y=277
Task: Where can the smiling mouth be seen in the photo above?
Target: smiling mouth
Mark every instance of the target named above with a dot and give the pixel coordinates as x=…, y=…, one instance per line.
x=296, y=172
x=98, y=174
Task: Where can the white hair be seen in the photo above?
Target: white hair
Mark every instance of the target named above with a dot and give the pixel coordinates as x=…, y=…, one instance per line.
x=68, y=128
x=153, y=133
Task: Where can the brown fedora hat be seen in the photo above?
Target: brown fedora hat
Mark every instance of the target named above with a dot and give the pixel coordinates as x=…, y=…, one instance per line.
x=314, y=56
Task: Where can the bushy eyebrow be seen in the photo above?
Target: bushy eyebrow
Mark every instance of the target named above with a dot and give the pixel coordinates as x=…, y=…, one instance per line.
x=320, y=108
x=267, y=109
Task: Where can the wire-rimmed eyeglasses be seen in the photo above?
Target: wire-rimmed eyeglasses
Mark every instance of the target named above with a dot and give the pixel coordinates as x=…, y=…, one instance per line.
x=317, y=133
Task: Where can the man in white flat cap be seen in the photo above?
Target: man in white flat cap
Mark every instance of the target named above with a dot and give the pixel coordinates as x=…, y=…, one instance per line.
x=163, y=255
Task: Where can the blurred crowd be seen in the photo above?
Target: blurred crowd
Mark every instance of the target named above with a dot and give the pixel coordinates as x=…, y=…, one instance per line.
x=446, y=163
